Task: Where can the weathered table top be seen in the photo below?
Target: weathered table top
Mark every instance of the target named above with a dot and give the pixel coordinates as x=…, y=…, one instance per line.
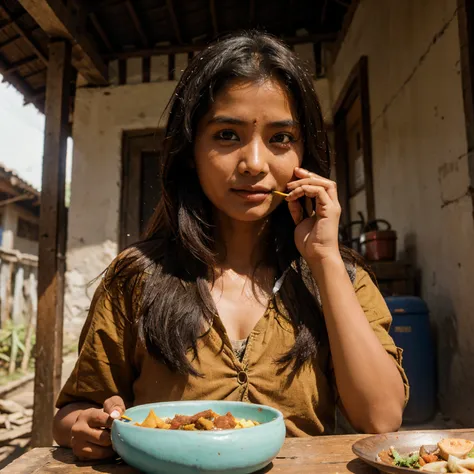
x=325, y=454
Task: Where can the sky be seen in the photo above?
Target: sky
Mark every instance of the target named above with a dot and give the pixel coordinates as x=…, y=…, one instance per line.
x=21, y=137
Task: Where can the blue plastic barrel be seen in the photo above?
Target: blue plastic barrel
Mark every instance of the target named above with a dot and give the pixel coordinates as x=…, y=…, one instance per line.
x=411, y=331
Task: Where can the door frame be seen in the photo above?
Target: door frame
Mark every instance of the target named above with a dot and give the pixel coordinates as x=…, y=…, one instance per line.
x=466, y=42
x=356, y=85
x=134, y=143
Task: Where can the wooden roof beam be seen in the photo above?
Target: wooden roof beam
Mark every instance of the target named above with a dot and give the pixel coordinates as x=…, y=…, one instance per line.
x=9, y=22
x=58, y=21
x=21, y=197
x=136, y=22
x=10, y=41
x=174, y=21
x=16, y=37
x=10, y=69
x=19, y=83
x=31, y=43
x=186, y=48
x=212, y=7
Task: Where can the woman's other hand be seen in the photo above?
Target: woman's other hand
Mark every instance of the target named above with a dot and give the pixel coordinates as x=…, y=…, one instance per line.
x=90, y=434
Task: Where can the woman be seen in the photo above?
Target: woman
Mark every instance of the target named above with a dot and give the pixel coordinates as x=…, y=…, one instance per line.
x=236, y=292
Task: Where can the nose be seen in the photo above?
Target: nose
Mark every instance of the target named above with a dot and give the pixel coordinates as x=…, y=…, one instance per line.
x=253, y=159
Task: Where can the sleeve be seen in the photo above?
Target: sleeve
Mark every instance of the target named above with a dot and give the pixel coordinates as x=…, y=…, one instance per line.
x=380, y=319
x=106, y=351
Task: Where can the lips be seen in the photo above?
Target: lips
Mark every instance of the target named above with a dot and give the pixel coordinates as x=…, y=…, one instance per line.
x=253, y=189
x=252, y=193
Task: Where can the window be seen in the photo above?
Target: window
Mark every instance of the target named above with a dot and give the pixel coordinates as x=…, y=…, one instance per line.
x=27, y=230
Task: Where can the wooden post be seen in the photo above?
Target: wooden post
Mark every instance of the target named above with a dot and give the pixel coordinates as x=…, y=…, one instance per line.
x=52, y=244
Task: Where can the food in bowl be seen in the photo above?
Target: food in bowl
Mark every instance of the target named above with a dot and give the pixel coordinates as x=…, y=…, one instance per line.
x=206, y=420
x=178, y=451
x=449, y=455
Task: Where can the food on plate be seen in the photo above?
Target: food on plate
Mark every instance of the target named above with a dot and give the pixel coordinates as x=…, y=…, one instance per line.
x=203, y=421
x=449, y=455
x=455, y=447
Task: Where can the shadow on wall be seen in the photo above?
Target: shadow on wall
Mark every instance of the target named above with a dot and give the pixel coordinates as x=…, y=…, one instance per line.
x=409, y=254
x=446, y=332
x=444, y=325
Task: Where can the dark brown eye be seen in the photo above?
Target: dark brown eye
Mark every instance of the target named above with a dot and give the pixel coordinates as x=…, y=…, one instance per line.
x=283, y=138
x=227, y=135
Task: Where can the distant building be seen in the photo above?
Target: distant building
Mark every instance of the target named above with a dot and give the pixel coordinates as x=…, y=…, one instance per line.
x=19, y=214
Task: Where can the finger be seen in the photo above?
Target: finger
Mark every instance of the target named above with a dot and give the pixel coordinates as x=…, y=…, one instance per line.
x=89, y=451
x=308, y=202
x=112, y=404
x=326, y=183
x=95, y=418
x=330, y=186
x=303, y=173
x=100, y=437
x=312, y=192
x=296, y=211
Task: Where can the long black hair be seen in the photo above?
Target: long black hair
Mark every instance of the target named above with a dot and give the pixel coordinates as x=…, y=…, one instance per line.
x=173, y=262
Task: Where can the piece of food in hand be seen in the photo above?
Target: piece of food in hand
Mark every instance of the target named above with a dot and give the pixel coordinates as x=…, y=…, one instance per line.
x=459, y=448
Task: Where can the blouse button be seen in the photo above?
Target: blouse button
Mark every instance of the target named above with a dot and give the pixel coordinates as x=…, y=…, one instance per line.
x=242, y=377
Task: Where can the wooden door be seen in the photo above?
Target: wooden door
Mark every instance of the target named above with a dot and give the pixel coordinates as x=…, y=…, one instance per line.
x=355, y=160
x=353, y=146
x=141, y=185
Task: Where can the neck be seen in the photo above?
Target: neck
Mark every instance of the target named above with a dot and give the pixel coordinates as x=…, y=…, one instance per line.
x=240, y=245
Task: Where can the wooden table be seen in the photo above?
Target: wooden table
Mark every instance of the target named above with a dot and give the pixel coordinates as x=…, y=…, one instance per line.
x=325, y=454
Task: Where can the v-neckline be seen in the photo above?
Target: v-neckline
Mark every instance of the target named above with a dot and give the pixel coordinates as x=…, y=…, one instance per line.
x=225, y=336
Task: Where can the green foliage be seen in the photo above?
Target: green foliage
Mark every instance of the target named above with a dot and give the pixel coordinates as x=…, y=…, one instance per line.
x=12, y=343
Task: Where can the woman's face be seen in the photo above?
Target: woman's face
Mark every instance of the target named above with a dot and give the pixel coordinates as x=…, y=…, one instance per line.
x=247, y=145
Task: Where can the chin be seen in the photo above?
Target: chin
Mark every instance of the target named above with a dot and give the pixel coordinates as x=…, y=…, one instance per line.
x=253, y=214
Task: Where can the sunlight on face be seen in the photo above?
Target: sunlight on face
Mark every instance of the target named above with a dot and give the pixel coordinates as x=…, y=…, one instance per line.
x=247, y=145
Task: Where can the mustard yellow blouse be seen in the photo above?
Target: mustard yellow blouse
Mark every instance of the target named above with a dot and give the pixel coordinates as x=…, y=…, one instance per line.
x=113, y=361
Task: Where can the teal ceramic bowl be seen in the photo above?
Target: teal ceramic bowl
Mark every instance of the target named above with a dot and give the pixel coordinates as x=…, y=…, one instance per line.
x=188, y=452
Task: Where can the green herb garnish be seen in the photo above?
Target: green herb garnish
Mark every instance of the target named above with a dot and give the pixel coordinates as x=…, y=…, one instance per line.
x=405, y=461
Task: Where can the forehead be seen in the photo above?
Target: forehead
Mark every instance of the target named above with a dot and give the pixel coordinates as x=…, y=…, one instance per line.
x=267, y=99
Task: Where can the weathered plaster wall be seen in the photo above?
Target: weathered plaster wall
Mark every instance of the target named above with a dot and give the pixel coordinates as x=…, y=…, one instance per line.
x=101, y=115
x=420, y=165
